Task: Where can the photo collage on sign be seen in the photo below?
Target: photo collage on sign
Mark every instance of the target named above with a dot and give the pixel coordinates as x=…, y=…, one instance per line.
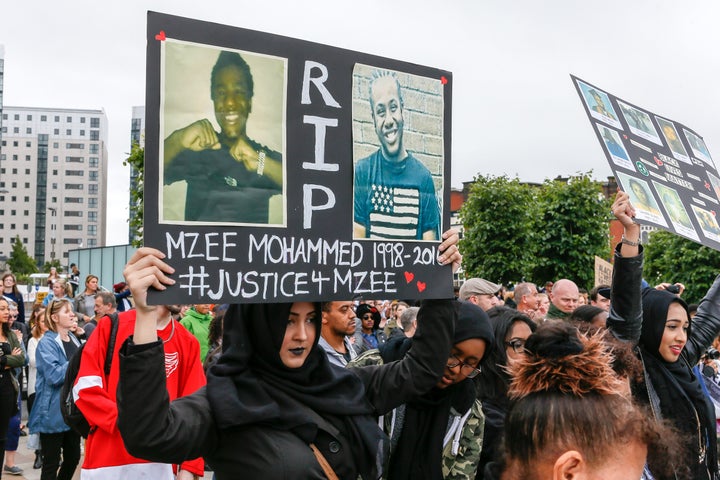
x=664, y=166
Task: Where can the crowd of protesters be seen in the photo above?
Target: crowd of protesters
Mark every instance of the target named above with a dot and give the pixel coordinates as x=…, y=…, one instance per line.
x=618, y=381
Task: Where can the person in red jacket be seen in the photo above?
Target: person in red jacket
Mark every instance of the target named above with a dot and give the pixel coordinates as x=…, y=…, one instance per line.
x=105, y=454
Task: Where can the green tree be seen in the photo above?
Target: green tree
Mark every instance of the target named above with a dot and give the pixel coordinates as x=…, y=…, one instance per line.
x=572, y=227
x=136, y=161
x=53, y=263
x=20, y=262
x=672, y=258
x=498, y=237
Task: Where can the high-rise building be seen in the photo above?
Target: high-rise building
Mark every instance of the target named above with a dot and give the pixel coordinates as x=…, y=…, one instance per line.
x=53, y=180
x=137, y=136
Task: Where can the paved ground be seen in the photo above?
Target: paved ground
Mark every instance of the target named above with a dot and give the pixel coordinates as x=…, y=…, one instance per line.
x=25, y=458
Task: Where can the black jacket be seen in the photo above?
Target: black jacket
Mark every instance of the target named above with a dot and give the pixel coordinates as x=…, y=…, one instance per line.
x=158, y=431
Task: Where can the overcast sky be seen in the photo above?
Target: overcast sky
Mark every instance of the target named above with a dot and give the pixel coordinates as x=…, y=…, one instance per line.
x=515, y=110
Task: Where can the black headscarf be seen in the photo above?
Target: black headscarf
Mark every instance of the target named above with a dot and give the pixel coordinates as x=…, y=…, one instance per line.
x=419, y=451
x=250, y=385
x=677, y=387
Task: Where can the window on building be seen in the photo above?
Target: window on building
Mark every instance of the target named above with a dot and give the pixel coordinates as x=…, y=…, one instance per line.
x=28, y=130
x=29, y=117
x=82, y=133
x=14, y=157
x=28, y=144
x=68, y=132
x=69, y=119
x=92, y=242
x=94, y=122
x=92, y=202
x=13, y=198
x=75, y=173
x=4, y=130
x=15, y=143
x=73, y=200
x=2, y=211
x=17, y=116
x=56, y=145
x=74, y=159
x=12, y=226
x=72, y=241
x=27, y=158
x=94, y=135
x=25, y=226
x=73, y=213
x=94, y=148
x=55, y=172
x=55, y=158
x=93, y=162
x=73, y=186
x=27, y=184
x=57, y=118
x=56, y=131
x=82, y=119
x=92, y=216
x=26, y=199
x=26, y=212
x=72, y=227
x=43, y=118
x=76, y=146
x=5, y=116
x=13, y=185
x=16, y=129
x=14, y=170
x=54, y=187
x=92, y=230
x=93, y=175
x=12, y=214
x=93, y=189
x=27, y=171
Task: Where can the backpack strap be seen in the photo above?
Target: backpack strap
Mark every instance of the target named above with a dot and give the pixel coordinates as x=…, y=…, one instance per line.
x=114, y=322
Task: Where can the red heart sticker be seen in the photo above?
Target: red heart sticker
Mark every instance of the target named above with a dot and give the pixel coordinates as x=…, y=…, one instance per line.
x=409, y=277
x=160, y=36
x=625, y=136
x=443, y=80
x=421, y=286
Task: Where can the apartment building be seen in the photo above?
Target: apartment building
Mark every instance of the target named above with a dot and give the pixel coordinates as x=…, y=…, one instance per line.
x=53, y=180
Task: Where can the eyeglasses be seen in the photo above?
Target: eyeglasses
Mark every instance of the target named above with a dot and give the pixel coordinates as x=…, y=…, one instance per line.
x=470, y=371
x=517, y=344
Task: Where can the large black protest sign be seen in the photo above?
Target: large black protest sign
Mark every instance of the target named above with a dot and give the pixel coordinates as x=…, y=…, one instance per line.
x=278, y=169
x=663, y=165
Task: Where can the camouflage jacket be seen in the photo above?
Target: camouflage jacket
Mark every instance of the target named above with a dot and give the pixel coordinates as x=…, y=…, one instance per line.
x=463, y=440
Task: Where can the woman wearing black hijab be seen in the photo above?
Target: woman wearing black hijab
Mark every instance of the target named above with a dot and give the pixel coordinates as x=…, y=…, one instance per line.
x=274, y=407
x=440, y=434
x=670, y=344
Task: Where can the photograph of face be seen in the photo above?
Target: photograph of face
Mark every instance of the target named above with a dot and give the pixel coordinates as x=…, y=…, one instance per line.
x=639, y=122
x=676, y=211
x=642, y=199
x=697, y=145
x=222, y=128
x=715, y=182
x=397, y=182
x=615, y=147
x=598, y=102
x=672, y=137
x=708, y=223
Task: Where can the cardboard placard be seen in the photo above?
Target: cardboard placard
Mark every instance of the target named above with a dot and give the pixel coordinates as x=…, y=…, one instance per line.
x=271, y=175
x=663, y=165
